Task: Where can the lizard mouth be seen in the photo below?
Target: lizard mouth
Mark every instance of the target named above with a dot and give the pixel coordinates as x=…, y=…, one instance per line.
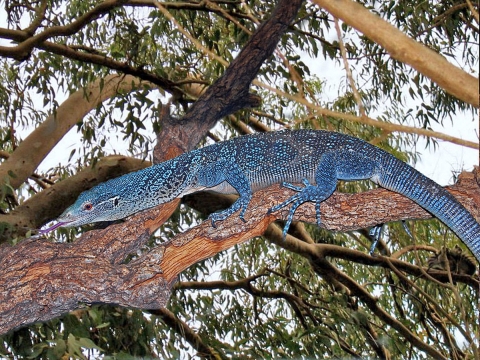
x=51, y=228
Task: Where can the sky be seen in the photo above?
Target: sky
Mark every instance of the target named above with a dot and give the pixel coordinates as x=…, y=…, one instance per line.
x=438, y=164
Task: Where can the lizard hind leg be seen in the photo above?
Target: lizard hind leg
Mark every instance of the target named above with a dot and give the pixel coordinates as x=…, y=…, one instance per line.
x=222, y=171
x=326, y=182
x=309, y=192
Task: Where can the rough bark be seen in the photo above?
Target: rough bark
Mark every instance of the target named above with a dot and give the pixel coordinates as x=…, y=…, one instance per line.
x=61, y=276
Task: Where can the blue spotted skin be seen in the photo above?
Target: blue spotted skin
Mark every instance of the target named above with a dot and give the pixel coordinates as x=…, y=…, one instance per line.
x=248, y=163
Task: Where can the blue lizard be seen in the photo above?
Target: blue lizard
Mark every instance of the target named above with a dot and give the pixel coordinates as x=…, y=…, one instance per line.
x=246, y=164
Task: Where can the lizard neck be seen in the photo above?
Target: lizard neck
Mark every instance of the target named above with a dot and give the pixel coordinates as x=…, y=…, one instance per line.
x=155, y=185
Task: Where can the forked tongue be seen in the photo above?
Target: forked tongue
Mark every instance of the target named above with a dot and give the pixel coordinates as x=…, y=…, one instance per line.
x=51, y=228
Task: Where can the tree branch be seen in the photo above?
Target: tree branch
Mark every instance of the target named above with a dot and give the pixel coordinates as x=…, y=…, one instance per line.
x=91, y=270
x=326, y=269
x=27, y=42
x=30, y=153
x=22, y=51
x=402, y=48
x=182, y=328
x=231, y=91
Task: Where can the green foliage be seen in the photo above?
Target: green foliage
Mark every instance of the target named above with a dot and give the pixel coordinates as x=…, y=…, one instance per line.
x=272, y=303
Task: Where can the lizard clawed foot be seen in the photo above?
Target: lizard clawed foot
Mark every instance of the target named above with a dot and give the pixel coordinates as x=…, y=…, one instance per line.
x=376, y=234
x=307, y=193
x=303, y=193
x=241, y=204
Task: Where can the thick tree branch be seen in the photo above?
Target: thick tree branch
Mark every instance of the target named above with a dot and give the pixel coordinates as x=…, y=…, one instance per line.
x=92, y=270
x=402, y=48
x=231, y=91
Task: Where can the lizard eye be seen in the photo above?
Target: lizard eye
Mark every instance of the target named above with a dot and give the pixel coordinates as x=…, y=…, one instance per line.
x=87, y=206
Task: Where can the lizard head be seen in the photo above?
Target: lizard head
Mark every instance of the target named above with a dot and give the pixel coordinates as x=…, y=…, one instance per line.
x=97, y=204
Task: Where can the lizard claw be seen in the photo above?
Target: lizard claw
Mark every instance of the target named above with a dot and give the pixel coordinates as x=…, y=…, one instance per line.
x=213, y=222
x=241, y=204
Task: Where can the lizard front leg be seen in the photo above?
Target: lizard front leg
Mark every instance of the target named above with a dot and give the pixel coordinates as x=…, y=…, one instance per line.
x=220, y=171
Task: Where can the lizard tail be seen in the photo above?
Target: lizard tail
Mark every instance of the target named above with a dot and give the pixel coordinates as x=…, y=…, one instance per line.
x=402, y=178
